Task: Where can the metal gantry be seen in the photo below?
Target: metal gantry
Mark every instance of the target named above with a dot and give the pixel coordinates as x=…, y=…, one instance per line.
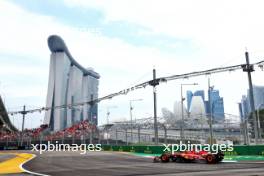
x=154, y=82
x=144, y=84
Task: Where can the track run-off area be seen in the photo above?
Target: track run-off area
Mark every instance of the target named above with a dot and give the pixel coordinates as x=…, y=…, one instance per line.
x=11, y=162
x=118, y=164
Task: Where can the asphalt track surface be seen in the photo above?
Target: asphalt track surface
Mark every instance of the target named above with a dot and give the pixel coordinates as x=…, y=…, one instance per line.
x=6, y=157
x=124, y=164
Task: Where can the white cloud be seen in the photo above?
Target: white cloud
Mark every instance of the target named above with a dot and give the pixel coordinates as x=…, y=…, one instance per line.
x=221, y=28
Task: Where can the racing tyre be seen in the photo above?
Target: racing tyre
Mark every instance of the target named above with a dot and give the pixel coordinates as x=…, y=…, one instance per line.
x=174, y=158
x=210, y=159
x=156, y=159
x=164, y=158
x=219, y=157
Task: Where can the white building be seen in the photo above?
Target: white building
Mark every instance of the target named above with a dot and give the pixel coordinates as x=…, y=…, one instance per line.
x=177, y=110
x=69, y=83
x=197, y=110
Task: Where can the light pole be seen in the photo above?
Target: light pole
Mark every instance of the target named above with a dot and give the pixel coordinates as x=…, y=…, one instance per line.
x=131, y=119
x=107, y=122
x=108, y=113
x=243, y=125
x=259, y=129
x=154, y=83
x=23, y=123
x=246, y=130
x=249, y=68
x=182, y=115
x=107, y=116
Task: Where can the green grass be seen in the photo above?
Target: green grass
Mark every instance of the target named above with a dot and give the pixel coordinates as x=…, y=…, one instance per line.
x=245, y=158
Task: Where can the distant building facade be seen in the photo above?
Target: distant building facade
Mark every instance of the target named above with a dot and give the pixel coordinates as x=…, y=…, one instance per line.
x=244, y=106
x=69, y=83
x=177, y=110
x=217, y=103
x=190, y=95
x=197, y=109
x=199, y=93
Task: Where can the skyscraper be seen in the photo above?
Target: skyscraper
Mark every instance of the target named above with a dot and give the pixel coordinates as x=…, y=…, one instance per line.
x=216, y=100
x=189, y=96
x=199, y=93
x=258, y=94
x=216, y=105
x=177, y=110
x=197, y=109
x=242, y=117
x=245, y=107
x=69, y=84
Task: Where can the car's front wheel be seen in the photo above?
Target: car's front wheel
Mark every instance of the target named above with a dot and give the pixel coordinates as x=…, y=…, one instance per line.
x=165, y=158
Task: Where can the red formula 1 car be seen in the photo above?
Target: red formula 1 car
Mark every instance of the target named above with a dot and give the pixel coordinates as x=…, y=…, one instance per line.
x=190, y=156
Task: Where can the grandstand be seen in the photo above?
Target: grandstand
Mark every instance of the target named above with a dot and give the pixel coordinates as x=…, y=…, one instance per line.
x=81, y=132
x=5, y=123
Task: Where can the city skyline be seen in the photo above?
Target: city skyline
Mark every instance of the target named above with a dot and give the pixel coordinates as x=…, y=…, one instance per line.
x=216, y=104
x=244, y=106
x=139, y=83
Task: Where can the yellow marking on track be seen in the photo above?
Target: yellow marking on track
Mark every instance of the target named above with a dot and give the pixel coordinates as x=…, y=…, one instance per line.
x=12, y=165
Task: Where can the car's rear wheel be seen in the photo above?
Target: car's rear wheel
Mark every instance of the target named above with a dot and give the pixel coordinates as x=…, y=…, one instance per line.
x=210, y=159
x=174, y=158
x=156, y=159
x=219, y=157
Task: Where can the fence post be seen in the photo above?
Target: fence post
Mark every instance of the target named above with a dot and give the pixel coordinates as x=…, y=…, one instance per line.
x=150, y=139
x=18, y=141
x=126, y=137
x=91, y=137
x=7, y=141
x=116, y=137
x=99, y=137
x=62, y=140
x=138, y=134
x=107, y=137
x=165, y=135
x=73, y=138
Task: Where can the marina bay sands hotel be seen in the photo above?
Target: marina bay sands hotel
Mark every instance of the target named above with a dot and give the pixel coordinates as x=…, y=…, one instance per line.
x=69, y=83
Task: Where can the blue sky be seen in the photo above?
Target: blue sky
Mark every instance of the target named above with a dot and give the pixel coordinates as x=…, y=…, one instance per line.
x=85, y=17
x=123, y=41
x=63, y=14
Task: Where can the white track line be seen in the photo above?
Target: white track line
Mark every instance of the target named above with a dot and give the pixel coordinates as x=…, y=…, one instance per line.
x=27, y=171
x=229, y=161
